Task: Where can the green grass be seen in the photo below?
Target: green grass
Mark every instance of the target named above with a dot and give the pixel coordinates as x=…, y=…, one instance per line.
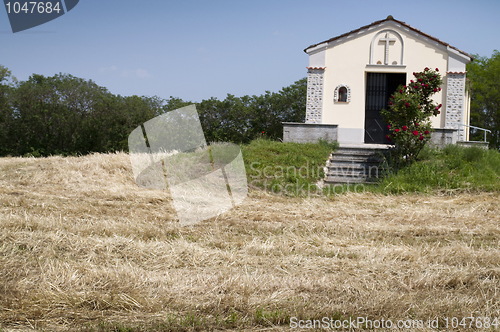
x=294, y=169
x=286, y=168
x=453, y=168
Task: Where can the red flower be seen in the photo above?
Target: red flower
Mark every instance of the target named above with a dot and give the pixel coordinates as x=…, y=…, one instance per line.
x=420, y=80
x=407, y=104
x=405, y=128
x=388, y=137
x=421, y=137
x=388, y=126
x=396, y=130
x=263, y=132
x=426, y=132
x=435, y=90
x=437, y=69
x=417, y=124
x=415, y=133
x=426, y=69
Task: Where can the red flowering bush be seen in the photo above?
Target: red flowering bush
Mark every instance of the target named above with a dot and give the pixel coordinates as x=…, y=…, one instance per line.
x=408, y=117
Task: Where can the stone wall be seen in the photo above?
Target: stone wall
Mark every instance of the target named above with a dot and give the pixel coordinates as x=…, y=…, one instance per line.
x=312, y=132
x=455, y=102
x=309, y=132
x=441, y=137
x=314, y=106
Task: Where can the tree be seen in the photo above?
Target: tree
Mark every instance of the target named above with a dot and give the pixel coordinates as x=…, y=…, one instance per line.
x=50, y=113
x=6, y=110
x=123, y=116
x=64, y=114
x=287, y=105
x=484, y=84
x=241, y=119
x=410, y=109
x=174, y=103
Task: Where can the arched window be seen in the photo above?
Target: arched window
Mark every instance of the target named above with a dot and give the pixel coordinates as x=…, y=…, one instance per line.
x=342, y=94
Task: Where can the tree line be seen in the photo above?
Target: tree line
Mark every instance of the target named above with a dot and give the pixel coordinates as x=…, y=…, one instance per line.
x=67, y=115
x=483, y=75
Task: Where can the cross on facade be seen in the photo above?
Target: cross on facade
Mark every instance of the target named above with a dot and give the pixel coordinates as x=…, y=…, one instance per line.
x=387, y=42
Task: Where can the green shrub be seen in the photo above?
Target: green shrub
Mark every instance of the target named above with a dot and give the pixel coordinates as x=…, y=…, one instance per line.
x=451, y=168
x=408, y=117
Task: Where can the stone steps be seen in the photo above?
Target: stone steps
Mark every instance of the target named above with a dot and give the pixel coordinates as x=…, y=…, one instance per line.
x=358, y=164
x=331, y=180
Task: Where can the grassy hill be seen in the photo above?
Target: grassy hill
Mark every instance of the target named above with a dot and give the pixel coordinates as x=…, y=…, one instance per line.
x=451, y=169
x=291, y=169
x=294, y=169
x=83, y=248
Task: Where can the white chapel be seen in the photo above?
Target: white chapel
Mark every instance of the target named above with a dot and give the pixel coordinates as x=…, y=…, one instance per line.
x=350, y=78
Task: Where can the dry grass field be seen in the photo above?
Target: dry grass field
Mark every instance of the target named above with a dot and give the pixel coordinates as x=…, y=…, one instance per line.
x=83, y=248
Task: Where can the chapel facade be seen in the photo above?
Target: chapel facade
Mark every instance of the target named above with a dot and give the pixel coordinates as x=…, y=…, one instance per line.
x=351, y=77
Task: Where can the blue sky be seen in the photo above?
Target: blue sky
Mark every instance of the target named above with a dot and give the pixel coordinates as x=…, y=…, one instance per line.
x=201, y=49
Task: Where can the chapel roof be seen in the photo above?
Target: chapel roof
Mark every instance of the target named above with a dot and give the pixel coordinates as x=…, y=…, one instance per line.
x=390, y=18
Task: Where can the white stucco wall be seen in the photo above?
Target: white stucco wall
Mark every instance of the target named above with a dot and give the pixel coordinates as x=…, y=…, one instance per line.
x=317, y=57
x=347, y=61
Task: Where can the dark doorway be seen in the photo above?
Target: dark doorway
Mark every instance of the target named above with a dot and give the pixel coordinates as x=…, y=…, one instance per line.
x=379, y=87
